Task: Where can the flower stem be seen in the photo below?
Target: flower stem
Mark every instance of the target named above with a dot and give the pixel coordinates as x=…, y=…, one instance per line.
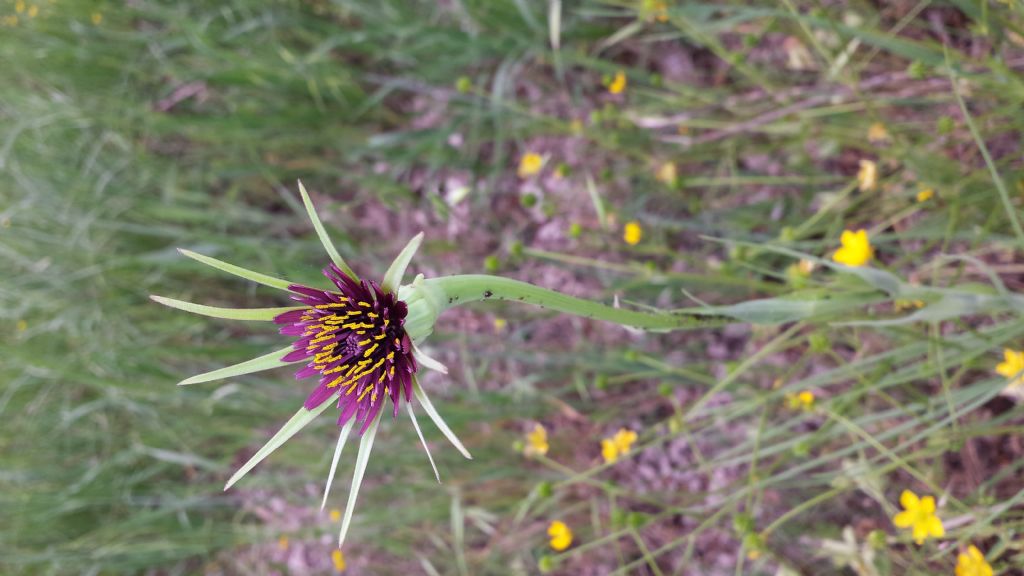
x=475, y=287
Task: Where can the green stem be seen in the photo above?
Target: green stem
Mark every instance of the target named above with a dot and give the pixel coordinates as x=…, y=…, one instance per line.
x=475, y=287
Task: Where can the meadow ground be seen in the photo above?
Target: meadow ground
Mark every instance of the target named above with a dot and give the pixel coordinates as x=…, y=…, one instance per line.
x=658, y=154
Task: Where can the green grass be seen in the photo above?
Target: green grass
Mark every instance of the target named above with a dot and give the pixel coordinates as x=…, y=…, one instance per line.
x=186, y=126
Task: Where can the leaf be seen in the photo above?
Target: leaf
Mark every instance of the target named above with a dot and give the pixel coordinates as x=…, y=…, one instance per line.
x=265, y=362
x=365, y=446
x=416, y=426
x=297, y=422
x=251, y=314
x=426, y=361
x=237, y=270
x=421, y=395
x=342, y=437
x=322, y=233
x=393, y=277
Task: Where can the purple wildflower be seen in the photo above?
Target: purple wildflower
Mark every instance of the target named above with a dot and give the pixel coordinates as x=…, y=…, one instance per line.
x=358, y=344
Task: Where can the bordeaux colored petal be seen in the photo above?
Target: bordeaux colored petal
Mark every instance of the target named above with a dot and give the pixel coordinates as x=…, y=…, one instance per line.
x=290, y=317
x=295, y=355
x=318, y=397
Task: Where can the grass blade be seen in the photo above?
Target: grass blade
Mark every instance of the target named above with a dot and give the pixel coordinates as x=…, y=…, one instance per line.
x=237, y=270
x=249, y=314
x=297, y=422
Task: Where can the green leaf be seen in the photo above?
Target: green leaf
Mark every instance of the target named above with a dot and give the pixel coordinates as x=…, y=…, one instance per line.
x=322, y=233
x=251, y=314
x=421, y=395
x=342, y=437
x=393, y=277
x=365, y=446
x=297, y=422
x=237, y=270
x=265, y=362
x=416, y=426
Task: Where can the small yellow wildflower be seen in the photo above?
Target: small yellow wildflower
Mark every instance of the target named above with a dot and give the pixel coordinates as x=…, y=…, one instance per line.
x=925, y=195
x=11, y=20
x=901, y=305
x=537, y=441
x=282, y=543
x=667, y=174
x=802, y=401
x=530, y=164
x=867, y=176
x=500, y=324
x=617, y=445
x=919, y=515
x=632, y=233
x=972, y=563
x=618, y=83
x=856, y=249
x=561, y=535
x=656, y=9
x=1012, y=367
x=97, y=18
x=338, y=559
x=19, y=6
x=877, y=133
x=335, y=515
x=33, y=11
x=21, y=326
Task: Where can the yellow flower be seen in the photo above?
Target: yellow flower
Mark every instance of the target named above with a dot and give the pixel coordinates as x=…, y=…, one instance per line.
x=867, y=177
x=97, y=18
x=33, y=11
x=1011, y=366
x=537, y=441
x=618, y=83
x=617, y=445
x=877, y=133
x=667, y=174
x=802, y=401
x=19, y=6
x=919, y=515
x=856, y=250
x=972, y=563
x=21, y=326
x=530, y=164
x=500, y=324
x=282, y=543
x=338, y=559
x=561, y=535
x=656, y=9
x=632, y=233
x=335, y=515
x=925, y=195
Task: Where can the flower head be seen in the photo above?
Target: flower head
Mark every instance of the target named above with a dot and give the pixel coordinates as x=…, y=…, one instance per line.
x=537, y=441
x=530, y=164
x=667, y=174
x=357, y=345
x=919, y=515
x=561, y=535
x=856, y=249
x=925, y=195
x=617, y=445
x=972, y=563
x=632, y=233
x=618, y=83
x=1012, y=367
x=867, y=176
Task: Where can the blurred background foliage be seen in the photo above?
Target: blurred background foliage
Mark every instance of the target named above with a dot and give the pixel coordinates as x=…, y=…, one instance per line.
x=128, y=129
